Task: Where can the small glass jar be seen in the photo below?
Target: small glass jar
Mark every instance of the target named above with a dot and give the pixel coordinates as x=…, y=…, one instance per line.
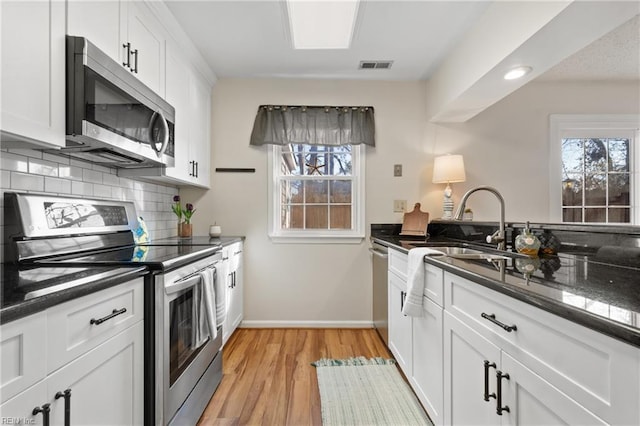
x=527, y=243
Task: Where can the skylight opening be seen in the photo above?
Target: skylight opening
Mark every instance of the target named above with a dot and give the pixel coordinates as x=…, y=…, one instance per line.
x=322, y=24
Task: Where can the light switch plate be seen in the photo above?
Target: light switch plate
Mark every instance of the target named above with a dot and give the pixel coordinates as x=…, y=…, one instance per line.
x=397, y=169
x=399, y=206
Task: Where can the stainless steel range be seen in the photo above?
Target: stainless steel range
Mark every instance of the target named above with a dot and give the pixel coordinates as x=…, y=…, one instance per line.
x=183, y=337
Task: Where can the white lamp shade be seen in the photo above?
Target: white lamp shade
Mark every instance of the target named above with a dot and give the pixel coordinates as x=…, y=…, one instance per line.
x=448, y=168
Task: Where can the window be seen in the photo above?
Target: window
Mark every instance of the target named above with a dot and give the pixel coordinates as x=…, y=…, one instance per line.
x=316, y=193
x=594, y=169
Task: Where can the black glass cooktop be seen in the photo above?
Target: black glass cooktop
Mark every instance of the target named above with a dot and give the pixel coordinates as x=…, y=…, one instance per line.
x=155, y=257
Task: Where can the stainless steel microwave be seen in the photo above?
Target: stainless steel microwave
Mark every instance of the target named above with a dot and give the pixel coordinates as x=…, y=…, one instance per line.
x=113, y=119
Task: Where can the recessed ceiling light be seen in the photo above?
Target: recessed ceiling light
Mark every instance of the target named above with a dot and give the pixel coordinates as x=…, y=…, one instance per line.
x=322, y=24
x=517, y=73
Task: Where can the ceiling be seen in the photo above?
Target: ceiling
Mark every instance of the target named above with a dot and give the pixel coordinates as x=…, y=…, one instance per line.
x=245, y=39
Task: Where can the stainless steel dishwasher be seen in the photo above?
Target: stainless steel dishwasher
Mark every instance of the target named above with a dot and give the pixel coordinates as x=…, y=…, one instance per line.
x=380, y=256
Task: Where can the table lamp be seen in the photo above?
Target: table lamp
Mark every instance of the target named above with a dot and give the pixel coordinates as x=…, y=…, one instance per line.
x=448, y=169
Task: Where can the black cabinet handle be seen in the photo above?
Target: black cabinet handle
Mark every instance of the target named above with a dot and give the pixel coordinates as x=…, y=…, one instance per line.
x=403, y=296
x=196, y=168
x=115, y=313
x=45, y=410
x=499, y=407
x=128, y=47
x=487, y=365
x=231, y=283
x=67, y=405
x=192, y=171
x=135, y=54
x=492, y=318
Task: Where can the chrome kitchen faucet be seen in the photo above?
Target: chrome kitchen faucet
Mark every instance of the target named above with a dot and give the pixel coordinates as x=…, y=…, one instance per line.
x=498, y=236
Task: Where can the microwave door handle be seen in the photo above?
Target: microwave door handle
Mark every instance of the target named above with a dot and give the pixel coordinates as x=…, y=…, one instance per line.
x=165, y=126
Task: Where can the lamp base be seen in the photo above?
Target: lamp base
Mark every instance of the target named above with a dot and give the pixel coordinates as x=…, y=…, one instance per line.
x=447, y=204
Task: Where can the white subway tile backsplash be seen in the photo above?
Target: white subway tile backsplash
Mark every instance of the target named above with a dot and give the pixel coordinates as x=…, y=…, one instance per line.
x=82, y=188
x=14, y=162
x=36, y=171
x=71, y=172
x=91, y=176
x=39, y=166
x=5, y=179
x=101, y=191
x=56, y=185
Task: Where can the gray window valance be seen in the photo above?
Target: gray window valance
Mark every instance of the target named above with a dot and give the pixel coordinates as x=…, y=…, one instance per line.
x=313, y=125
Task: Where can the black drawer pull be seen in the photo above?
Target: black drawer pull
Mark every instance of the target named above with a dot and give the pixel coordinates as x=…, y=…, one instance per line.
x=493, y=319
x=499, y=407
x=67, y=405
x=45, y=410
x=128, y=47
x=115, y=313
x=488, y=395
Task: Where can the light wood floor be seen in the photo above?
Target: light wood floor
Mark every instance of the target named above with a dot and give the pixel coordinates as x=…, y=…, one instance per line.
x=268, y=378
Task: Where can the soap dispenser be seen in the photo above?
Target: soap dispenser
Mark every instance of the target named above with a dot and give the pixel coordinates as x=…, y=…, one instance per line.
x=527, y=243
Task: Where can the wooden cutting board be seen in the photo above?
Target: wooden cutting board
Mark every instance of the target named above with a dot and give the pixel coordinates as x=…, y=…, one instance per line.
x=415, y=222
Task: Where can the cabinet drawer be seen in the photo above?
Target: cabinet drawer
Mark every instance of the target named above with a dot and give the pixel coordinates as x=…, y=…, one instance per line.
x=601, y=373
x=433, y=284
x=71, y=331
x=398, y=263
x=22, y=354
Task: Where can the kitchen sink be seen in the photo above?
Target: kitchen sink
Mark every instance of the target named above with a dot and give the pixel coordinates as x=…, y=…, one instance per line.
x=463, y=251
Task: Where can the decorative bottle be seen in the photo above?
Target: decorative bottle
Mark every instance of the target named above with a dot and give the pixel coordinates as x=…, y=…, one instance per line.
x=527, y=243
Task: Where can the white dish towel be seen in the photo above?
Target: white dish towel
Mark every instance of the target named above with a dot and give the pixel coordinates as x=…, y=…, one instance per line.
x=415, y=282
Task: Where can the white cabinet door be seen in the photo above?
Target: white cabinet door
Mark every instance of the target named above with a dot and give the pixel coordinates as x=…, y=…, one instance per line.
x=148, y=47
x=19, y=409
x=234, y=287
x=427, y=378
x=33, y=72
x=106, y=383
x=533, y=401
x=103, y=23
x=200, y=141
x=465, y=352
x=399, y=324
x=177, y=94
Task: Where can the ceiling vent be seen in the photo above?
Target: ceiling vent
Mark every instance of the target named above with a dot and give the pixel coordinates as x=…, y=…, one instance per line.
x=375, y=65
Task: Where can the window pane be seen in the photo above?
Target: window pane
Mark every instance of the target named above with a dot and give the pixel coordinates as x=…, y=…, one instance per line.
x=572, y=190
x=619, y=155
x=595, y=190
x=620, y=215
x=572, y=155
x=316, y=217
x=340, y=217
x=292, y=217
x=619, y=189
x=572, y=215
x=595, y=156
x=316, y=191
x=339, y=165
x=340, y=191
x=595, y=215
x=291, y=191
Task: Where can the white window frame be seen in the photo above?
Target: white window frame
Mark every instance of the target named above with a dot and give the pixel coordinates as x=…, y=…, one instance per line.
x=355, y=235
x=592, y=125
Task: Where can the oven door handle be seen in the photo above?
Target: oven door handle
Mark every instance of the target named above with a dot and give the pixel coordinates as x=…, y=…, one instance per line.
x=182, y=284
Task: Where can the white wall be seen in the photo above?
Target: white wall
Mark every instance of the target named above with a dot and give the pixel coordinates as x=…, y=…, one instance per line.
x=505, y=147
x=295, y=282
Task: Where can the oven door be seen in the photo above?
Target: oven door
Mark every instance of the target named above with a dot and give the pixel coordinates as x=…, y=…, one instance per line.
x=186, y=354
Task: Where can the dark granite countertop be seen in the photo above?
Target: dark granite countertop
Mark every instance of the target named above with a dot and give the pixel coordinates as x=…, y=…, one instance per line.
x=200, y=240
x=26, y=292
x=599, y=290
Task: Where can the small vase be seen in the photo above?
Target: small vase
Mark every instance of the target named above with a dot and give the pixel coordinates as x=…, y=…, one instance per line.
x=185, y=230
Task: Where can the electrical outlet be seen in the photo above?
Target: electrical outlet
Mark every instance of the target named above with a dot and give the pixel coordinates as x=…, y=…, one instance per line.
x=397, y=169
x=399, y=206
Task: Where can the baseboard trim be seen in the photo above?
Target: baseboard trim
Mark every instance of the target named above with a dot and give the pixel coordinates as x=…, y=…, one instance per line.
x=305, y=324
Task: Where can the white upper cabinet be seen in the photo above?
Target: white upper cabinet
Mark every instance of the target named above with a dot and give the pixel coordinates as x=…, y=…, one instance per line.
x=126, y=31
x=33, y=73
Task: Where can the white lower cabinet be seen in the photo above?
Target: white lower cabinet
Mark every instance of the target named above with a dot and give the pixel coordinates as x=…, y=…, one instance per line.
x=232, y=258
x=104, y=380
x=399, y=324
x=427, y=375
x=468, y=366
